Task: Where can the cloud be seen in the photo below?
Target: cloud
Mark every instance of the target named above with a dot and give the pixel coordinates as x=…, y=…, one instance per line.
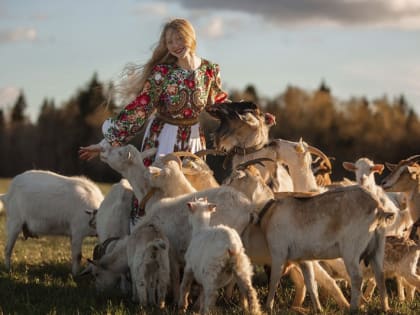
x=158, y=8
x=8, y=96
x=403, y=14
x=18, y=34
x=214, y=28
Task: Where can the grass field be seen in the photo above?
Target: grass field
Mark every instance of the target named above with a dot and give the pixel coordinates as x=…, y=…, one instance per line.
x=40, y=283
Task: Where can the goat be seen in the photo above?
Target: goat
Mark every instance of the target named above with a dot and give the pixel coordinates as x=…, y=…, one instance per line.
x=112, y=219
x=247, y=179
x=145, y=253
x=405, y=177
x=45, y=203
x=243, y=133
x=234, y=209
x=400, y=261
x=214, y=257
x=344, y=222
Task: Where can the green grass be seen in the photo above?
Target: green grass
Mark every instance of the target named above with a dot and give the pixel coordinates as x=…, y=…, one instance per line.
x=40, y=283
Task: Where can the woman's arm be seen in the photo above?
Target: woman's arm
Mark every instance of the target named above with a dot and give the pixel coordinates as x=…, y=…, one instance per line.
x=217, y=94
x=121, y=129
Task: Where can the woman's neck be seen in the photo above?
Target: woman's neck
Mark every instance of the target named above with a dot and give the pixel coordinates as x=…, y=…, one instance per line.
x=189, y=62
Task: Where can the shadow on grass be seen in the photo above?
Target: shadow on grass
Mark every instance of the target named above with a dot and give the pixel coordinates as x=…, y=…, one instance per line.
x=51, y=289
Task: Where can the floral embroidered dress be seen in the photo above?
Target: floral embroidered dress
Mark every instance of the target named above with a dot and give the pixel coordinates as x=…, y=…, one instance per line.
x=172, y=98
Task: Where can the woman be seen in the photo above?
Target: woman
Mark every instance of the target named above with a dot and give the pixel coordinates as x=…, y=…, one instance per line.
x=175, y=85
x=172, y=89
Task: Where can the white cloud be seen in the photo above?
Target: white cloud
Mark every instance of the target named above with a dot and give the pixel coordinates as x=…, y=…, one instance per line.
x=8, y=96
x=215, y=28
x=158, y=8
x=18, y=34
x=369, y=13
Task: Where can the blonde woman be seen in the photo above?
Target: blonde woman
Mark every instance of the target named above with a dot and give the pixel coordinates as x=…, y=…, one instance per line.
x=169, y=91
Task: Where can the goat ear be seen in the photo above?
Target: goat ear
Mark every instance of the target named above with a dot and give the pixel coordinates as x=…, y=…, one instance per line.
x=155, y=171
x=300, y=147
x=190, y=206
x=390, y=166
x=270, y=119
x=379, y=168
x=349, y=166
x=414, y=171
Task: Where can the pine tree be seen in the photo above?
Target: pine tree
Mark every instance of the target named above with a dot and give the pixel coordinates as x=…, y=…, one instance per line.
x=18, y=110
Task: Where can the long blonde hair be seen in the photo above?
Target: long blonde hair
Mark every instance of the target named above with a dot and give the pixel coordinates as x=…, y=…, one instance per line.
x=134, y=76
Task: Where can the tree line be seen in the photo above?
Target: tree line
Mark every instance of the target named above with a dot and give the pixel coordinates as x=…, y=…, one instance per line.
x=382, y=129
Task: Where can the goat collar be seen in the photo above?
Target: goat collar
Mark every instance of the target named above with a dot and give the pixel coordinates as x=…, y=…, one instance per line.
x=242, y=151
x=264, y=210
x=146, y=198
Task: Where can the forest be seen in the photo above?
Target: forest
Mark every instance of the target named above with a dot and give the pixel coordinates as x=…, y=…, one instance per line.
x=381, y=129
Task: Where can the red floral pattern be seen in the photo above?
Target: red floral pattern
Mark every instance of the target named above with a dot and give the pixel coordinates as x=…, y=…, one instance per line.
x=172, y=91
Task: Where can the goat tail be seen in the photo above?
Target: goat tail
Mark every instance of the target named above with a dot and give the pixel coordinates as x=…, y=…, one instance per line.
x=243, y=275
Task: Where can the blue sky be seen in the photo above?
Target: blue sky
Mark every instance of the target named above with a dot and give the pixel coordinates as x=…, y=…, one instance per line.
x=369, y=48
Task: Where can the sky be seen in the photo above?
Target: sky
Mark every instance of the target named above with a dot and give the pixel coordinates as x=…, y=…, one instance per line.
x=50, y=49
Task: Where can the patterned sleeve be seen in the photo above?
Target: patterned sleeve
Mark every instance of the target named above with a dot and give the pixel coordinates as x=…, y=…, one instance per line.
x=121, y=129
x=216, y=95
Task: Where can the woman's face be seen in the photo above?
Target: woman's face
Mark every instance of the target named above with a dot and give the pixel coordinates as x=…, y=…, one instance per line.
x=176, y=44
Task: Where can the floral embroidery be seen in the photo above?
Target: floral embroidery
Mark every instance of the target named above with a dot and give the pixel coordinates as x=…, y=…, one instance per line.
x=172, y=91
x=187, y=112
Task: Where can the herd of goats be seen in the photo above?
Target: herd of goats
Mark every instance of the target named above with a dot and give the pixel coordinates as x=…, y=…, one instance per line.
x=277, y=208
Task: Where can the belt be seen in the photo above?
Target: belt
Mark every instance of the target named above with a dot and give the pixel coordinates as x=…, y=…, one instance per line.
x=177, y=121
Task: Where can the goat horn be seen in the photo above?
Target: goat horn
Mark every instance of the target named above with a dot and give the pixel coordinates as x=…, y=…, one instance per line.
x=254, y=161
x=321, y=154
x=186, y=153
x=411, y=159
x=204, y=152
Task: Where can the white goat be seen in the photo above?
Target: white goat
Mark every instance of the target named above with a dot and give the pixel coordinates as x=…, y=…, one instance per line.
x=113, y=217
x=170, y=214
x=249, y=181
x=297, y=157
x=214, y=257
x=343, y=223
x=405, y=177
x=46, y=203
x=113, y=223
x=365, y=171
x=145, y=254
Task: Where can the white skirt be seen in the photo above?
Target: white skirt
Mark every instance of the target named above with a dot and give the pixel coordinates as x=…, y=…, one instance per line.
x=167, y=138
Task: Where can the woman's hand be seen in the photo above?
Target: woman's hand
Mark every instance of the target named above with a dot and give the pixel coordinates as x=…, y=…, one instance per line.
x=90, y=152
